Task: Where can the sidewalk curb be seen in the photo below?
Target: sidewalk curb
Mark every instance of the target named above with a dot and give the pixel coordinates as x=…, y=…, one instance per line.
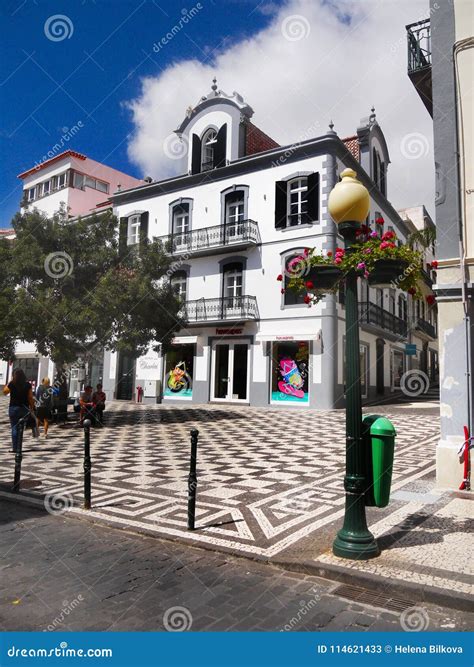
x=412, y=592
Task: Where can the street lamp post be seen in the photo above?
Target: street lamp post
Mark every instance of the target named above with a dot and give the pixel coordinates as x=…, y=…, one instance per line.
x=349, y=205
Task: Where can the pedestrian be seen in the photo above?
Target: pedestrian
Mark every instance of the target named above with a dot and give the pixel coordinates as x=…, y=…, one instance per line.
x=21, y=402
x=44, y=404
x=98, y=399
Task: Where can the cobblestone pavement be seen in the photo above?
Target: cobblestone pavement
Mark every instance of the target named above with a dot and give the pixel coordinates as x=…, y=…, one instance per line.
x=267, y=478
x=64, y=574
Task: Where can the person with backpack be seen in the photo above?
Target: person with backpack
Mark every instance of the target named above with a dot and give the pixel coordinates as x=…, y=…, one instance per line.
x=44, y=404
x=21, y=402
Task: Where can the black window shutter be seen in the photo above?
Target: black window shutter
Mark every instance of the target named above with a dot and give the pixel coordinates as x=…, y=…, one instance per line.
x=196, y=157
x=313, y=197
x=144, y=228
x=281, y=194
x=220, y=149
x=123, y=234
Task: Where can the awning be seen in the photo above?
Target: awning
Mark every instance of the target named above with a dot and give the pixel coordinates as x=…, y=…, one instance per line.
x=288, y=337
x=183, y=340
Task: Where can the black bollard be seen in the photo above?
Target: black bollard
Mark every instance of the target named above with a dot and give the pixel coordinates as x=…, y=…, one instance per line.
x=18, y=455
x=192, y=480
x=87, y=464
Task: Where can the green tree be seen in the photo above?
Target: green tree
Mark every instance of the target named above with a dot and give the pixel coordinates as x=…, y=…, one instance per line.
x=8, y=330
x=80, y=290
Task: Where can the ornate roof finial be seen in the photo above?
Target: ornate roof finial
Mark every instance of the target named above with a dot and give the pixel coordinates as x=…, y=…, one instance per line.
x=331, y=128
x=214, y=84
x=372, y=115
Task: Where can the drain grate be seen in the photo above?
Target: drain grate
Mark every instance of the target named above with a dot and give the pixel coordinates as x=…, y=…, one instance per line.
x=372, y=598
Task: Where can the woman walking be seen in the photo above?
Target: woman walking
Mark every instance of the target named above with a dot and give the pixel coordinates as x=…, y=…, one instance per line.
x=44, y=404
x=21, y=402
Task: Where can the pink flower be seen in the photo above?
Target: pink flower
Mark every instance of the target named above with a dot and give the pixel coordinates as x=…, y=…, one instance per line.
x=374, y=235
x=338, y=260
x=366, y=274
x=306, y=252
x=361, y=265
x=367, y=251
x=383, y=245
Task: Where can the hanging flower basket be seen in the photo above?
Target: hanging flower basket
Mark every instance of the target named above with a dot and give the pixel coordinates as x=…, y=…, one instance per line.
x=323, y=277
x=387, y=271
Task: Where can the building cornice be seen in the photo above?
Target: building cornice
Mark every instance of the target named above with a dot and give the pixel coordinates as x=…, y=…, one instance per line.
x=328, y=144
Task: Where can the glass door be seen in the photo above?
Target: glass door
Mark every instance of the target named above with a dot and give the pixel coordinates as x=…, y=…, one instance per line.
x=230, y=364
x=234, y=218
x=233, y=278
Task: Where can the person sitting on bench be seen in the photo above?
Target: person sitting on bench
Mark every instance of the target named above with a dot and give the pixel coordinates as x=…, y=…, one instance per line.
x=98, y=399
x=87, y=405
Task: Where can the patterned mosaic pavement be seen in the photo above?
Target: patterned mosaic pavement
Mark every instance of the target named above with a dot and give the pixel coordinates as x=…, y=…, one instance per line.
x=266, y=478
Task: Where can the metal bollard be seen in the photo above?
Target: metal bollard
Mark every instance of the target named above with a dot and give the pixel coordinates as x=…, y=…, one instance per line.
x=87, y=464
x=192, y=480
x=18, y=456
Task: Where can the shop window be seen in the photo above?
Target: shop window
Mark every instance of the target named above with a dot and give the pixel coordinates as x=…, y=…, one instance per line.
x=290, y=372
x=179, y=369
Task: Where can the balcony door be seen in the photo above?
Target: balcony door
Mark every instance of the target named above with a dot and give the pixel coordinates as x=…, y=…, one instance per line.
x=229, y=372
x=180, y=227
x=234, y=216
x=232, y=291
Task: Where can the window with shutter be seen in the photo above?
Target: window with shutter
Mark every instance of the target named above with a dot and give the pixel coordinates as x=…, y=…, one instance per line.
x=280, y=204
x=196, y=155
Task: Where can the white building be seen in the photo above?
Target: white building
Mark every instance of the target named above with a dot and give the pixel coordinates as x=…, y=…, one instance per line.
x=242, y=208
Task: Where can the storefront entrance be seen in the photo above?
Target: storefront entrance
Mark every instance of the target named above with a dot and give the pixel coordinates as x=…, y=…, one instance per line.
x=125, y=377
x=229, y=372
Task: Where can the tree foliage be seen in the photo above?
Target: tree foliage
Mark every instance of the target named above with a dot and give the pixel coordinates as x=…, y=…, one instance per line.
x=76, y=292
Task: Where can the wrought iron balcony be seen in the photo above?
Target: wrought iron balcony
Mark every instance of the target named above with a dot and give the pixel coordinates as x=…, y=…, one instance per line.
x=370, y=313
x=426, y=327
x=213, y=240
x=235, y=308
x=419, y=60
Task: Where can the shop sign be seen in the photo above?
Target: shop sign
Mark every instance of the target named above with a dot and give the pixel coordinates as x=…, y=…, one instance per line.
x=410, y=348
x=229, y=332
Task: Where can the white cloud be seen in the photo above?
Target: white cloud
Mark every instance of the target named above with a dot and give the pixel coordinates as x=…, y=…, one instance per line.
x=331, y=60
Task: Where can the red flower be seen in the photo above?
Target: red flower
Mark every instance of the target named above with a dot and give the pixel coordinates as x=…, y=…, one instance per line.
x=307, y=298
x=329, y=253
x=309, y=284
x=388, y=235
x=282, y=291
x=430, y=299
x=391, y=245
x=411, y=290
x=280, y=277
x=434, y=264
x=379, y=220
x=306, y=252
x=383, y=245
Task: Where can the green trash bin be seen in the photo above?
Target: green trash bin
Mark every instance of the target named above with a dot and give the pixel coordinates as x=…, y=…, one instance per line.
x=367, y=422
x=382, y=437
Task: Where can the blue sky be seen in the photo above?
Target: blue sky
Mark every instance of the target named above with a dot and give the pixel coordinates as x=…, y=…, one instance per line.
x=298, y=63
x=47, y=86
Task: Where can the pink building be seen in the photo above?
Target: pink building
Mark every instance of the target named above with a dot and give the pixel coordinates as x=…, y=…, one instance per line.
x=75, y=180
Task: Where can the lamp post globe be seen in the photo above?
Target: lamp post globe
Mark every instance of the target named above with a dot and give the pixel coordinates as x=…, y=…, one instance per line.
x=349, y=205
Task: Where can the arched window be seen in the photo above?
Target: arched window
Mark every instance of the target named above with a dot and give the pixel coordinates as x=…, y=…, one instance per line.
x=292, y=265
x=298, y=201
x=233, y=280
x=234, y=215
x=180, y=225
x=209, y=142
x=179, y=282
